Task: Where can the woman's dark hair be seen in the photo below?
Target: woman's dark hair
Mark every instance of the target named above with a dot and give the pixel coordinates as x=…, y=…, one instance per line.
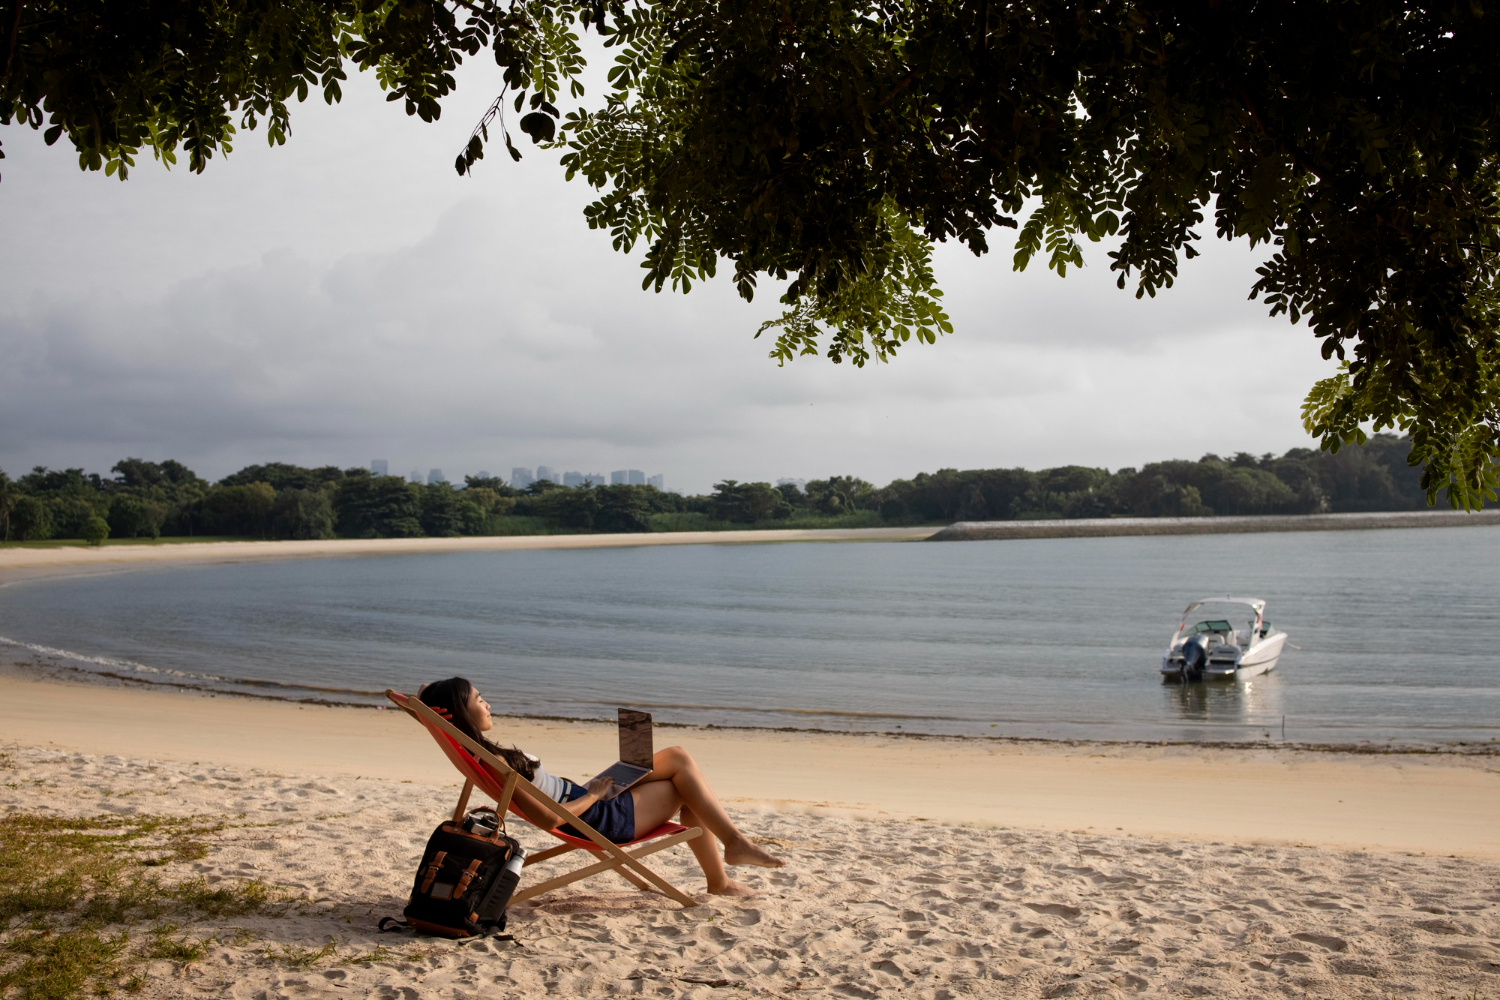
x=452, y=696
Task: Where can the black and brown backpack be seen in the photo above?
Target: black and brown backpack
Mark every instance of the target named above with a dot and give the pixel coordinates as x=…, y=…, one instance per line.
x=466, y=879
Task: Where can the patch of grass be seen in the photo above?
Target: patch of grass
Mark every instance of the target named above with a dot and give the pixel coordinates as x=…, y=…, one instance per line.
x=72, y=891
x=232, y=900
x=162, y=944
x=302, y=958
x=378, y=955
x=60, y=965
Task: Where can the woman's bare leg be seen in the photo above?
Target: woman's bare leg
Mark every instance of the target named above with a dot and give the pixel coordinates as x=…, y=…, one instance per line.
x=706, y=850
x=660, y=798
x=675, y=767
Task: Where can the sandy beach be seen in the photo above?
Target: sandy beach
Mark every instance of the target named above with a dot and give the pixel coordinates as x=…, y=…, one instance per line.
x=921, y=867
x=18, y=559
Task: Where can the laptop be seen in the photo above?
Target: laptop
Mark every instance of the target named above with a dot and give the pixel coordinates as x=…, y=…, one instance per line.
x=636, y=751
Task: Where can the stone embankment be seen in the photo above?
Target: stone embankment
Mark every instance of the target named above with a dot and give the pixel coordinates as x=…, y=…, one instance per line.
x=967, y=531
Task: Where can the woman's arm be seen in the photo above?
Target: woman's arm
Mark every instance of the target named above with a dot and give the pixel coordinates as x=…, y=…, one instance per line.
x=541, y=816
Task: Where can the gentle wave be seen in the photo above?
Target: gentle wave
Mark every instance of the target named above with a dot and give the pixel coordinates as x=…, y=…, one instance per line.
x=833, y=712
x=204, y=681
x=179, y=678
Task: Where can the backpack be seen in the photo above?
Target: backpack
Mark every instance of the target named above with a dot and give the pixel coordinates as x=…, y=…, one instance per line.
x=466, y=878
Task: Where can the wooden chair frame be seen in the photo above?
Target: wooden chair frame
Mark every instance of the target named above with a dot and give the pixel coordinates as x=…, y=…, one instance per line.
x=625, y=859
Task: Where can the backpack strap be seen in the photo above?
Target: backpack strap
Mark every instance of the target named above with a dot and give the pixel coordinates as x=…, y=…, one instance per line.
x=432, y=870
x=466, y=878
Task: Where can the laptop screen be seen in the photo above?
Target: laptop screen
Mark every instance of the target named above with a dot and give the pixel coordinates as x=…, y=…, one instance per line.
x=635, y=738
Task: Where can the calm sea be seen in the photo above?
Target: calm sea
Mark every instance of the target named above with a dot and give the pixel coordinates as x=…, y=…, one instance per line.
x=1397, y=632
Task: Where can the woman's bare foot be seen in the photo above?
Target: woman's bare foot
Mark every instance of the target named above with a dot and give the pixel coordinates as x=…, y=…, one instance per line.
x=742, y=852
x=731, y=888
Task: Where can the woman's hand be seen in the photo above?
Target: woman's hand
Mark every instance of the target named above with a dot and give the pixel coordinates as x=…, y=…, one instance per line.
x=600, y=787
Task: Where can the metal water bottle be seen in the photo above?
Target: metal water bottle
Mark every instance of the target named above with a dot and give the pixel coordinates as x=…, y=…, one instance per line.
x=492, y=909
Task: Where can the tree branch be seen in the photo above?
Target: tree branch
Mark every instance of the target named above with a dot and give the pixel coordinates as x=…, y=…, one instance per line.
x=15, y=35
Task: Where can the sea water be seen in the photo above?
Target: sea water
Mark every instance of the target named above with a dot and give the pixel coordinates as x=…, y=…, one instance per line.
x=1394, y=633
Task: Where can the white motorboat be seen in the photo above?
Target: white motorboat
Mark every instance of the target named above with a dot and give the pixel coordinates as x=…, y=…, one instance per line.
x=1224, y=637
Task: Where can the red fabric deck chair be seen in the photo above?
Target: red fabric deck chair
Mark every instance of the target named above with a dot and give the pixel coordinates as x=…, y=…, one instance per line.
x=499, y=780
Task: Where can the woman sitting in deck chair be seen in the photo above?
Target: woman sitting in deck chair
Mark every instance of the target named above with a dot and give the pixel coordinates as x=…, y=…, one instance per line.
x=675, y=785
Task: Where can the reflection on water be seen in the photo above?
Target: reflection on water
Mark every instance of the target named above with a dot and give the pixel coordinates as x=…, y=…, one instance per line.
x=1046, y=637
x=1251, y=704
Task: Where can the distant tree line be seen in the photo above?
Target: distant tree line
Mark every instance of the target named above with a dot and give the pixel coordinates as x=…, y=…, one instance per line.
x=148, y=499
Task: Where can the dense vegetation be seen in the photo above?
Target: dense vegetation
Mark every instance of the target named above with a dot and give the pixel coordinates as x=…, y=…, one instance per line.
x=150, y=499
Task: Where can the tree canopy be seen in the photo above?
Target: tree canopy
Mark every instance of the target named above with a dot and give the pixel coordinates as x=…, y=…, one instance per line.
x=830, y=143
x=278, y=500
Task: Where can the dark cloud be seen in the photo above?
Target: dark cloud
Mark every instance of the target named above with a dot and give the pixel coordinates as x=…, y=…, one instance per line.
x=347, y=298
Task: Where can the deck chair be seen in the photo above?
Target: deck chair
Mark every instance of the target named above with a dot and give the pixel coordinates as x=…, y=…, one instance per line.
x=499, y=780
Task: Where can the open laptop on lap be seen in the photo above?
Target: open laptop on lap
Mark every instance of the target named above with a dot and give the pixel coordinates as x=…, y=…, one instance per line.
x=636, y=751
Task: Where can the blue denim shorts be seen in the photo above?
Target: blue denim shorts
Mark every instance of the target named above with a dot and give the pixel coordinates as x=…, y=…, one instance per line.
x=613, y=818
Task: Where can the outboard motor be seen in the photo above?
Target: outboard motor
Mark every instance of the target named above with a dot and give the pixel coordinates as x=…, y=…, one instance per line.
x=1194, y=655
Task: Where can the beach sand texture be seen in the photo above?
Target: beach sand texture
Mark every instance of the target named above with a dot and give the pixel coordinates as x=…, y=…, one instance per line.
x=873, y=901
x=864, y=907
x=13, y=559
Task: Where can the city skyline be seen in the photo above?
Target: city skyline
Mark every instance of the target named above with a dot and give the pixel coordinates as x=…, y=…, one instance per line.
x=524, y=476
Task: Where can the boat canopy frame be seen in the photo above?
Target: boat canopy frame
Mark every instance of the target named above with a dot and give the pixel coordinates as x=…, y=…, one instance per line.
x=1254, y=603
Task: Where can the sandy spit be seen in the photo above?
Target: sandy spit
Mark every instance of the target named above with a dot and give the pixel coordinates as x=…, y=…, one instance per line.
x=115, y=556
x=865, y=908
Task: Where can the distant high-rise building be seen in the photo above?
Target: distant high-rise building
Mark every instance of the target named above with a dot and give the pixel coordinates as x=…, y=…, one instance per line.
x=637, y=477
x=659, y=481
x=435, y=476
x=574, y=479
x=521, y=478
x=619, y=477
x=546, y=472
x=482, y=474
x=594, y=478
x=415, y=476
x=379, y=467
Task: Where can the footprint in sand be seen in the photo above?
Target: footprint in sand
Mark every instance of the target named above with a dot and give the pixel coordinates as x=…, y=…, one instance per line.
x=1324, y=941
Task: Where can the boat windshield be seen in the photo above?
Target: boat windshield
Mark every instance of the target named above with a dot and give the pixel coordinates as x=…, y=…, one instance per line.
x=1218, y=625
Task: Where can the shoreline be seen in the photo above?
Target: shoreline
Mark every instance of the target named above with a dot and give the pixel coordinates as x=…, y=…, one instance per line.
x=20, y=563
x=1429, y=803
x=31, y=672
x=232, y=552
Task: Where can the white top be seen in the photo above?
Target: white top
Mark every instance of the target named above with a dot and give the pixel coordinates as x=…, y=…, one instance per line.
x=1256, y=604
x=551, y=785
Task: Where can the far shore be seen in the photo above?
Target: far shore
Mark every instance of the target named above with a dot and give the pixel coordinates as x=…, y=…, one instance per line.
x=44, y=560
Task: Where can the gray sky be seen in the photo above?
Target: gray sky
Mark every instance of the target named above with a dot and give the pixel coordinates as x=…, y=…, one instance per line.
x=348, y=297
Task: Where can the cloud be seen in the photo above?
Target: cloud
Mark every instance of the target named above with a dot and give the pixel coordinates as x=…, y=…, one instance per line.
x=347, y=298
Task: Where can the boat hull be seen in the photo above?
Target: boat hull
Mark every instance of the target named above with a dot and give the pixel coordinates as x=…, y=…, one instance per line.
x=1259, y=659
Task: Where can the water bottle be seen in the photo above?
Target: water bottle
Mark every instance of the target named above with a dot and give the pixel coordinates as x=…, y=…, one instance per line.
x=498, y=898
